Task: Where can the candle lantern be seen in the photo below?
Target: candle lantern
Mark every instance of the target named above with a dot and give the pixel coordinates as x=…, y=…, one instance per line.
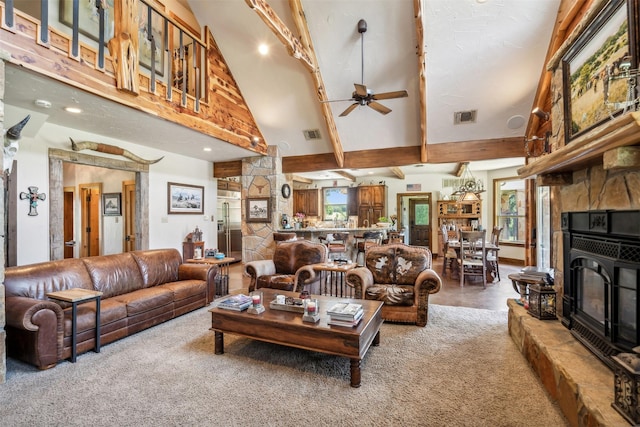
x=311, y=310
x=542, y=302
x=256, y=303
x=626, y=385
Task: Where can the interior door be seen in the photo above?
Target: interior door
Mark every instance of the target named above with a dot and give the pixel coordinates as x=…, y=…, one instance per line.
x=90, y=202
x=129, y=215
x=69, y=242
x=419, y=222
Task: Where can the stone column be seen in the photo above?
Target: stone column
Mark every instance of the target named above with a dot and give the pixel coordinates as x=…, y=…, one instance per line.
x=262, y=178
x=3, y=351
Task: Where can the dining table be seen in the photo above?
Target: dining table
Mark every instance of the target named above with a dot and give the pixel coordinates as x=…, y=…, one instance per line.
x=492, y=274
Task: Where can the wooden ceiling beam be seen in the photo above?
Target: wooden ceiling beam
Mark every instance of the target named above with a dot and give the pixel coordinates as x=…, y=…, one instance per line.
x=346, y=175
x=282, y=32
x=397, y=172
x=303, y=50
x=303, y=29
x=301, y=179
x=422, y=78
x=461, y=168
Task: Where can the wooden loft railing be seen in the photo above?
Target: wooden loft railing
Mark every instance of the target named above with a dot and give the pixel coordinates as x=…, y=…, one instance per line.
x=183, y=78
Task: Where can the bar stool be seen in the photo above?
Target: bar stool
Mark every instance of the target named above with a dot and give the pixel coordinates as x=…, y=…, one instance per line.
x=367, y=240
x=336, y=243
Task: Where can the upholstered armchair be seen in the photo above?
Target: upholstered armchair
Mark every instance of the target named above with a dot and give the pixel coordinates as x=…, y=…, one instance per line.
x=290, y=269
x=399, y=275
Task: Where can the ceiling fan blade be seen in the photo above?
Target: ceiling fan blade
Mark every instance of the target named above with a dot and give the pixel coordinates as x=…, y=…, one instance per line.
x=337, y=100
x=361, y=90
x=390, y=95
x=379, y=107
x=349, y=109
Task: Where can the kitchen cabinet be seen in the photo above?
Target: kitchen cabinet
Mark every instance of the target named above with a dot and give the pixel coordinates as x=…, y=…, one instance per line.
x=352, y=201
x=306, y=201
x=372, y=204
x=229, y=185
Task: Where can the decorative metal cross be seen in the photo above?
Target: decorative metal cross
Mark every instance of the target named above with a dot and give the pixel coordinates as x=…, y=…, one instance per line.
x=33, y=197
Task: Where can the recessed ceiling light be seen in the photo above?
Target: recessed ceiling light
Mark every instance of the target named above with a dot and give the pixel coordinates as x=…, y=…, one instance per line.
x=256, y=139
x=207, y=148
x=74, y=110
x=263, y=49
x=43, y=103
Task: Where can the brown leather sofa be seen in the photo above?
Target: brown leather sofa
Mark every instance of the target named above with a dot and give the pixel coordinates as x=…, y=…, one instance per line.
x=290, y=269
x=399, y=275
x=140, y=289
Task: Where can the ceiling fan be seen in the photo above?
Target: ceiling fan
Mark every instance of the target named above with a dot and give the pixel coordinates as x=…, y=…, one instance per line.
x=364, y=96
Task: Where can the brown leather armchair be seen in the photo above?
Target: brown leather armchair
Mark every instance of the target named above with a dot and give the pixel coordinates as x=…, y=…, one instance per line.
x=401, y=276
x=290, y=269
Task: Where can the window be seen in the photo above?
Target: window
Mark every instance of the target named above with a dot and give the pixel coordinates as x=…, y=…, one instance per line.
x=510, y=209
x=334, y=204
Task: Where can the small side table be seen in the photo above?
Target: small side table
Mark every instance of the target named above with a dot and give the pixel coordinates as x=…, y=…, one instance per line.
x=75, y=296
x=333, y=278
x=222, y=278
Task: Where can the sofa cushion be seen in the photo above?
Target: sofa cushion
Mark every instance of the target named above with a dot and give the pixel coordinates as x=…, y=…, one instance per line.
x=114, y=274
x=186, y=288
x=145, y=299
x=290, y=256
x=391, y=294
x=36, y=280
x=283, y=282
x=381, y=262
x=158, y=266
x=111, y=311
x=409, y=263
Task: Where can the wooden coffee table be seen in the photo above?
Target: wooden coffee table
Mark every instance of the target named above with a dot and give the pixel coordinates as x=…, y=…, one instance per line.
x=287, y=328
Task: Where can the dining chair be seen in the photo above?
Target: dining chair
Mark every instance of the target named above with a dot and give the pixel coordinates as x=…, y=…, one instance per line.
x=449, y=254
x=367, y=240
x=473, y=243
x=492, y=254
x=336, y=243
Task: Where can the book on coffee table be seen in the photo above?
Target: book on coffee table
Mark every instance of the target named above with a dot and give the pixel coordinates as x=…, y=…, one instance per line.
x=345, y=311
x=236, y=302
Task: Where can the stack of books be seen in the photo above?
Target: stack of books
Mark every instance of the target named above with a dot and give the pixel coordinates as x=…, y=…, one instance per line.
x=236, y=302
x=345, y=314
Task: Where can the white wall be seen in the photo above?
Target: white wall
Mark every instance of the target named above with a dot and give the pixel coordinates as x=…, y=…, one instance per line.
x=165, y=231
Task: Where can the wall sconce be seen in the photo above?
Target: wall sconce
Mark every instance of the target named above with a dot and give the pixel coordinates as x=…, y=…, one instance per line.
x=539, y=113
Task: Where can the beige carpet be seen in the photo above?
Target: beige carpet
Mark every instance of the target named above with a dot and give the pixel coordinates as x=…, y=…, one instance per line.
x=462, y=369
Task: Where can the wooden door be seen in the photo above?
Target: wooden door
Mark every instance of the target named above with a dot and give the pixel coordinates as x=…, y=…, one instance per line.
x=69, y=242
x=129, y=215
x=419, y=222
x=90, y=202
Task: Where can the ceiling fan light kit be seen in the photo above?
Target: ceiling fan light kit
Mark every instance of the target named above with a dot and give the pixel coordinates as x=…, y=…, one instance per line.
x=363, y=96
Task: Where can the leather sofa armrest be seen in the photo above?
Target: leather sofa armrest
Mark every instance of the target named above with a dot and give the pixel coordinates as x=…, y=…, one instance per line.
x=38, y=328
x=259, y=268
x=429, y=281
x=196, y=271
x=360, y=278
x=305, y=276
x=21, y=311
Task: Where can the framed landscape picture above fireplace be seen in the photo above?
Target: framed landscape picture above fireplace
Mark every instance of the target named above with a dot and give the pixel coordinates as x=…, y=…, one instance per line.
x=599, y=67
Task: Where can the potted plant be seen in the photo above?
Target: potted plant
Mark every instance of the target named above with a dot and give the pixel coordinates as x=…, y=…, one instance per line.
x=383, y=221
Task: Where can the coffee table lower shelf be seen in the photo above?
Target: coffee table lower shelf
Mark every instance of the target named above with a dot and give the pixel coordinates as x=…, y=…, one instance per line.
x=287, y=328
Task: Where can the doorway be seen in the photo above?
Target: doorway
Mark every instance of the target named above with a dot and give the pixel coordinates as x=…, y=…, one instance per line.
x=90, y=218
x=414, y=218
x=128, y=215
x=419, y=222
x=69, y=218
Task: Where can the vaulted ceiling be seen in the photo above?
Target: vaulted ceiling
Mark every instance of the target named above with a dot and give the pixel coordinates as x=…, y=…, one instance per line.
x=451, y=56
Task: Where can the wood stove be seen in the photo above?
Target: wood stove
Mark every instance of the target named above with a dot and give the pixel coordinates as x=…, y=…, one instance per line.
x=601, y=280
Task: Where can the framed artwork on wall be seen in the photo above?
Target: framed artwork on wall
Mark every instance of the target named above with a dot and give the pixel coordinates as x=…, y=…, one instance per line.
x=258, y=209
x=112, y=204
x=88, y=18
x=597, y=67
x=185, y=198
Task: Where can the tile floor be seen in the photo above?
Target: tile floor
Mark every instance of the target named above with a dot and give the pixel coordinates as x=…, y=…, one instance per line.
x=494, y=297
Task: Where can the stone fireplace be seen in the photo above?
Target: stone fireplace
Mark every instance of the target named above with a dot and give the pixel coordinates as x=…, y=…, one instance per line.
x=601, y=280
